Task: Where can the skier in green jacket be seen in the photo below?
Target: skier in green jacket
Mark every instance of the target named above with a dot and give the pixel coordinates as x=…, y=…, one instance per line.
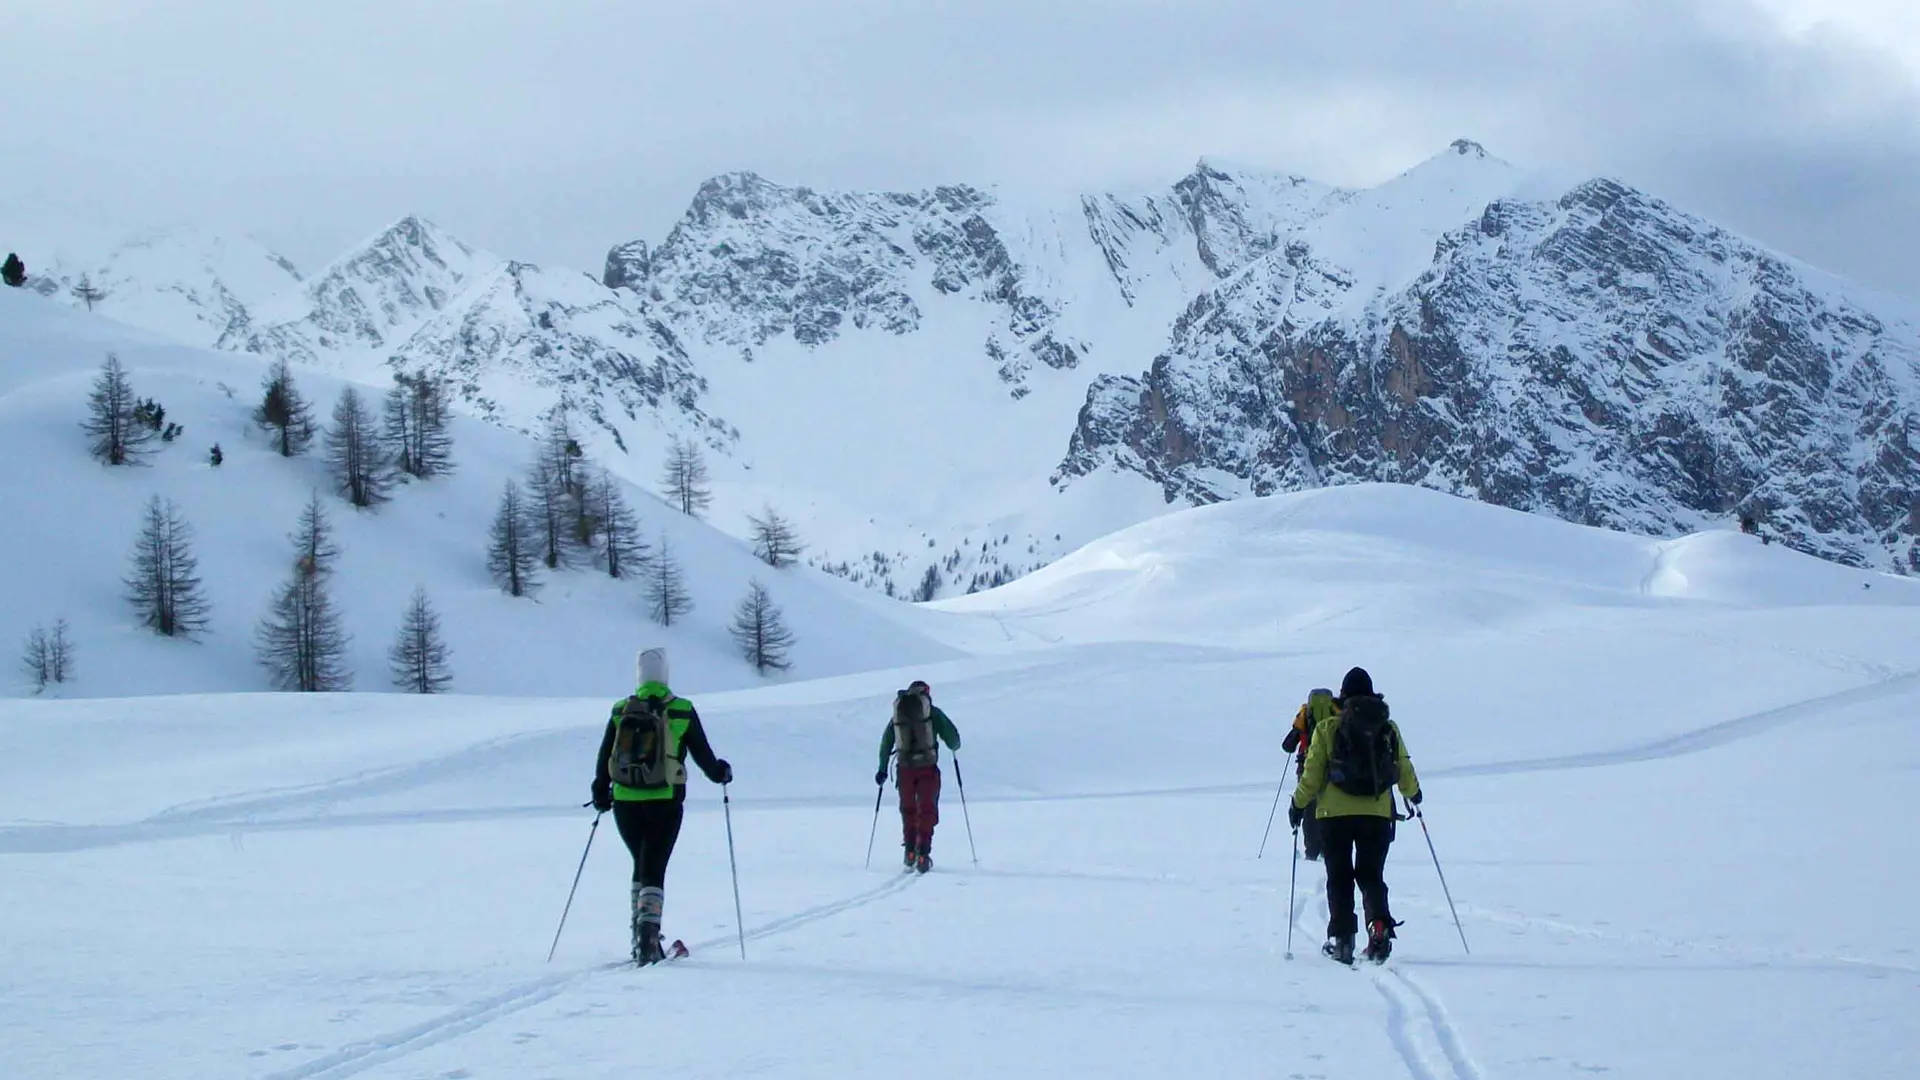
x=918, y=727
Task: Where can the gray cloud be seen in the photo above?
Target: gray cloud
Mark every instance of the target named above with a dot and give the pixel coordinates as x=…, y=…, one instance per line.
x=552, y=131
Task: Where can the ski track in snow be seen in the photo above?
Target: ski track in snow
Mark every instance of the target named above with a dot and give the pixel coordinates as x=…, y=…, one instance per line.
x=1443, y=1028
x=380, y=1049
x=1400, y=1032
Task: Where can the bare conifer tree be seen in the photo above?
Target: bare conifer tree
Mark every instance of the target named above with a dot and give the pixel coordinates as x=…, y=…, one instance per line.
x=667, y=596
x=301, y=640
x=113, y=418
x=513, y=553
x=550, y=514
x=88, y=293
x=49, y=655
x=774, y=539
x=419, y=657
x=283, y=411
x=761, y=631
x=623, y=551
x=354, y=452
x=164, y=584
x=416, y=430
x=685, y=478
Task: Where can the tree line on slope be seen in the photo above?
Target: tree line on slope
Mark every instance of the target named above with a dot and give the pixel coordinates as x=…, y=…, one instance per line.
x=567, y=515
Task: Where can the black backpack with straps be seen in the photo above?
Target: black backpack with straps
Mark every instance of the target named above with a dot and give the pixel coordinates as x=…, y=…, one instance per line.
x=1364, y=759
x=640, y=740
x=913, y=732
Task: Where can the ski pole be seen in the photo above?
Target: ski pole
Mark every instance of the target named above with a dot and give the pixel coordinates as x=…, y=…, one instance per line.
x=1271, y=814
x=1292, y=880
x=964, y=814
x=576, y=886
x=1443, y=878
x=879, y=792
x=726, y=803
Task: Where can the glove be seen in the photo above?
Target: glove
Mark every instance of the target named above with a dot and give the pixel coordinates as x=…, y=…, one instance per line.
x=1295, y=815
x=1416, y=797
x=880, y=777
x=722, y=772
x=602, y=797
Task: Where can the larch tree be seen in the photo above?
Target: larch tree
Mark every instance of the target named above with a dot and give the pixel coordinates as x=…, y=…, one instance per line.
x=416, y=431
x=114, y=418
x=88, y=293
x=354, y=453
x=513, y=553
x=761, y=631
x=301, y=640
x=49, y=656
x=775, y=540
x=284, y=412
x=685, y=480
x=164, y=582
x=667, y=595
x=623, y=551
x=420, y=658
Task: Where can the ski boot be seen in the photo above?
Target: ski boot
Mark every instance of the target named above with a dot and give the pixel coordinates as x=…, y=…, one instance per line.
x=1380, y=940
x=923, y=862
x=646, y=947
x=1340, y=949
x=913, y=857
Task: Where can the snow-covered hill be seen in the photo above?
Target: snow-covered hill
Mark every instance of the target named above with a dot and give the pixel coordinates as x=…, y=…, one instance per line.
x=1622, y=745
x=69, y=556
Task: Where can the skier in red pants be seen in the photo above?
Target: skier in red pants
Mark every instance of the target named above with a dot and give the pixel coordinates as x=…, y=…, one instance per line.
x=917, y=730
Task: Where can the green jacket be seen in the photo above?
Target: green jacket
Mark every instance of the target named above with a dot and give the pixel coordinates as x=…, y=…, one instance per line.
x=942, y=727
x=686, y=734
x=1334, y=802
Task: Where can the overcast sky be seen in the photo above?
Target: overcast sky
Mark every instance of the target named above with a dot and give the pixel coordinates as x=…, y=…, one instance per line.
x=551, y=129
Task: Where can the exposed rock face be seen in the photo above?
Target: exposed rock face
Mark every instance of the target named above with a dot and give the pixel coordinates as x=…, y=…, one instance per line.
x=1602, y=357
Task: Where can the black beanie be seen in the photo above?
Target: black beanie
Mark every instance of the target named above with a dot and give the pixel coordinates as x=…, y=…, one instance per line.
x=1357, y=684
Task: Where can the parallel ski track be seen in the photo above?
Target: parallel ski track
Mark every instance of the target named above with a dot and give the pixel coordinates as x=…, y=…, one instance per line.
x=380, y=1049
x=1444, y=1030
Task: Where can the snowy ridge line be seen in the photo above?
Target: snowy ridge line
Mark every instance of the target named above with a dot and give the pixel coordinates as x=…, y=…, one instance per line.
x=380, y=1049
x=1706, y=738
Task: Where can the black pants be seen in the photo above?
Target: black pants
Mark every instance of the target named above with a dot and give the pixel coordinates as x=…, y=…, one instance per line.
x=1310, y=831
x=649, y=830
x=1355, y=850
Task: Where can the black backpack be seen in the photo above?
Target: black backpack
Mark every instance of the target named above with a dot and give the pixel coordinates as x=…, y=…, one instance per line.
x=913, y=732
x=640, y=740
x=1364, y=759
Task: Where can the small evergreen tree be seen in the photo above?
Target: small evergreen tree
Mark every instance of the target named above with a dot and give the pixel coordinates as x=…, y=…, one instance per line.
x=761, y=631
x=685, y=478
x=283, y=411
x=13, y=272
x=622, y=549
x=415, y=432
x=513, y=553
x=419, y=655
x=87, y=293
x=353, y=450
x=930, y=583
x=49, y=655
x=667, y=596
x=550, y=514
x=301, y=640
x=164, y=584
x=774, y=539
x=113, y=418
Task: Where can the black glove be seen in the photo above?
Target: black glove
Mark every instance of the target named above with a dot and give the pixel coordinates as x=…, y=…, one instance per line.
x=880, y=777
x=1416, y=797
x=602, y=796
x=722, y=772
x=1295, y=815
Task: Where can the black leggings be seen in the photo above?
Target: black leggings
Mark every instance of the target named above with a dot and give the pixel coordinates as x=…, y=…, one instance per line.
x=1355, y=851
x=649, y=830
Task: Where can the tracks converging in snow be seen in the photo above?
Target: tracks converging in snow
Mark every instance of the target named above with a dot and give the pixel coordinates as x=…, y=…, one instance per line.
x=361, y=1056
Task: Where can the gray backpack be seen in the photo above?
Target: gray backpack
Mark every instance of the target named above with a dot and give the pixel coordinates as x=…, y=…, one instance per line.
x=639, y=758
x=913, y=733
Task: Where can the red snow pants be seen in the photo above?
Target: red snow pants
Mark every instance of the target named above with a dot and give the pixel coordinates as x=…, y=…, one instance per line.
x=919, y=806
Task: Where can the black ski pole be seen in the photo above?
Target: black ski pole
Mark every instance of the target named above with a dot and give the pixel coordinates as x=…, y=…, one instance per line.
x=879, y=792
x=1292, y=880
x=576, y=886
x=1443, y=878
x=726, y=803
x=964, y=814
x=1271, y=814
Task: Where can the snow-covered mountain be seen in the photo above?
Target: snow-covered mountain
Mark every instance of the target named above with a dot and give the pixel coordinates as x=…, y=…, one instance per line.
x=185, y=284
x=1596, y=354
x=902, y=372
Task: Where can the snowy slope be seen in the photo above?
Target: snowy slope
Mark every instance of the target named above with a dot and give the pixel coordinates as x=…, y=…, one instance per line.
x=1624, y=745
x=179, y=283
x=580, y=632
